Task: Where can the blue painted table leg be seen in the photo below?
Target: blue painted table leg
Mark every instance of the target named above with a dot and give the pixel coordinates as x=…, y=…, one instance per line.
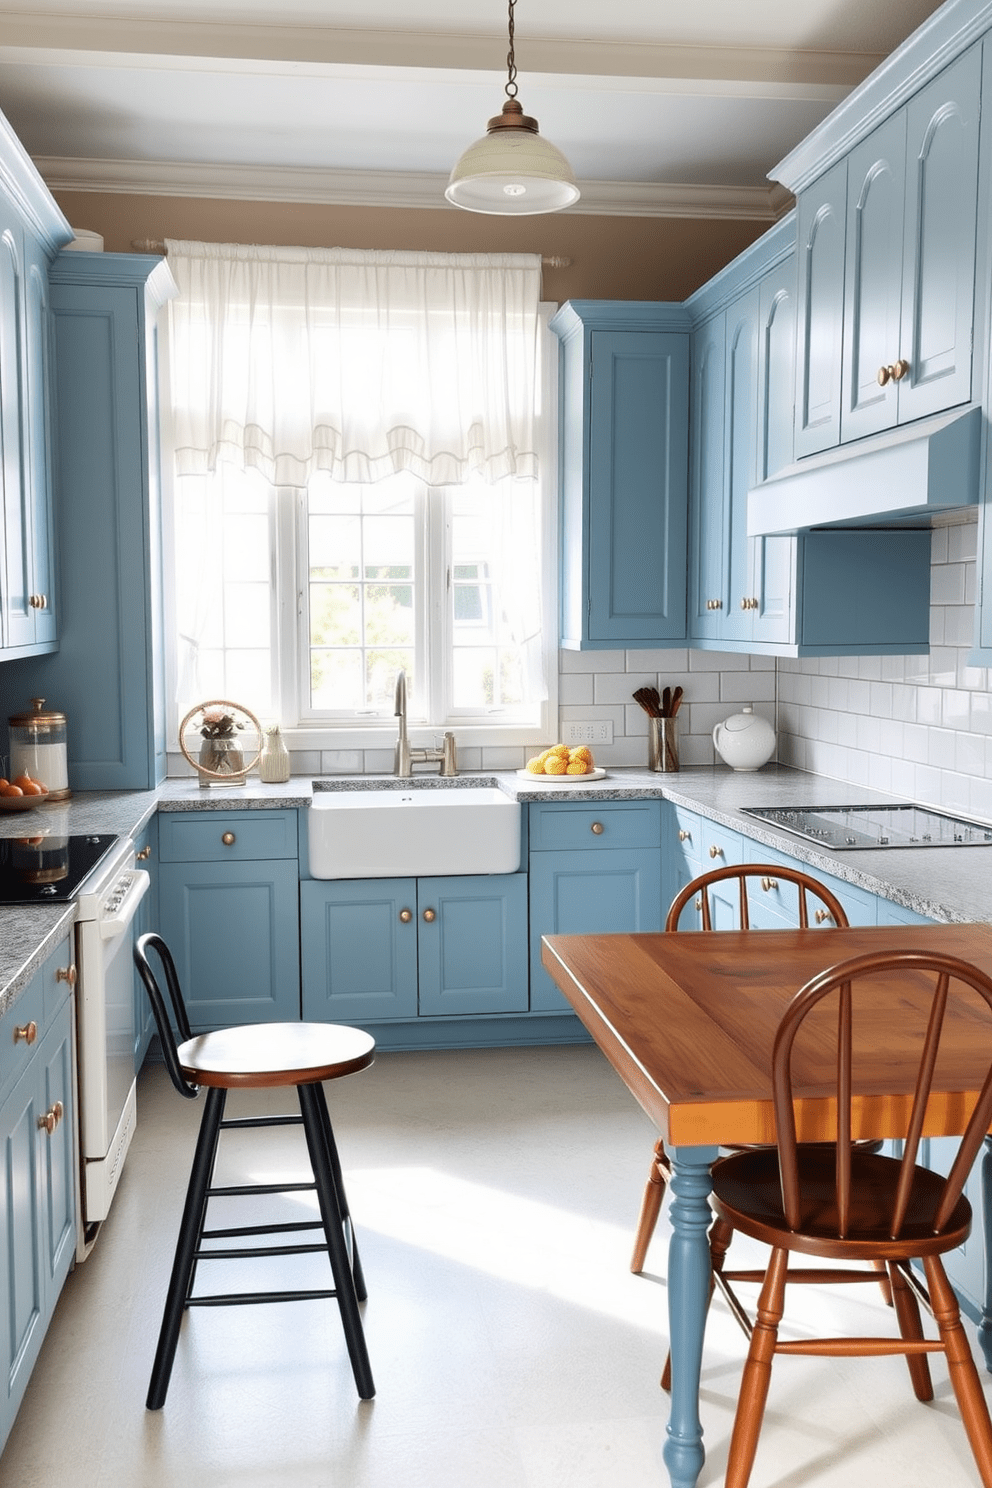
x=985, y=1327
x=688, y=1297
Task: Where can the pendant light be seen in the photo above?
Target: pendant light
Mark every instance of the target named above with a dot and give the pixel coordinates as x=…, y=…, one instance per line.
x=512, y=171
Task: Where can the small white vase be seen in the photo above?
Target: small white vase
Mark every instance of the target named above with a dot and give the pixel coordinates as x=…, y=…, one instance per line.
x=746, y=741
x=273, y=764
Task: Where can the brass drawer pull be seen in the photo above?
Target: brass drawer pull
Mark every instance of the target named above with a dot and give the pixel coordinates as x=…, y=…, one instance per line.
x=406, y=915
x=66, y=974
x=684, y=835
x=228, y=839
x=26, y=1033
x=769, y=883
x=597, y=829
x=822, y=916
x=716, y=852
x=51, y=1118
x=38, y=601
x=430, y=916
x=144, y=854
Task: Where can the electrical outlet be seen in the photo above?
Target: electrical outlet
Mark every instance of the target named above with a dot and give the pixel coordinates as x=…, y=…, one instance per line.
x=599, y=732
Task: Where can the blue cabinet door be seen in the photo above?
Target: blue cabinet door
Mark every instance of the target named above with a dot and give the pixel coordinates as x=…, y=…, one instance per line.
x=876, y=182
x=233, y=929
x=740, y=402
x=709, y=582
x=108, y=674
x=579, y=893
x=637, y=491
x=472, y=944
x=821, y=238
x=624, y=416
x=359, y=949
x=939, y=240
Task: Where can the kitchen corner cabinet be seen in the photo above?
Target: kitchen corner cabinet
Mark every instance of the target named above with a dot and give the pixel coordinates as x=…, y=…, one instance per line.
x=228, y=908
x=108, y=674
x=623, y=429
x=146, y=856
x=404, y=948
x=595, y=868
x=889, y=234
x=37, y=1170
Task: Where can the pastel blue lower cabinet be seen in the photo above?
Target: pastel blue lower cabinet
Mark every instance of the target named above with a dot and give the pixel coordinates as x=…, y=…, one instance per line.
x=596, y=893
x=37, y=1177
x=402, y=948
x=233, y=930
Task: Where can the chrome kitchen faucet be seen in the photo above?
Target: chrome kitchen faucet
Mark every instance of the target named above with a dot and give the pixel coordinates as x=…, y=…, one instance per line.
x=404, y=757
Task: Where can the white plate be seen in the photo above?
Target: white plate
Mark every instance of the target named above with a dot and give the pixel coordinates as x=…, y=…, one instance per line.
x=596, y=774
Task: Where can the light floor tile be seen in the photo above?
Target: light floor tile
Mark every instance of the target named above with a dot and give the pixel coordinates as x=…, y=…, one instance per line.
x=495, y=1194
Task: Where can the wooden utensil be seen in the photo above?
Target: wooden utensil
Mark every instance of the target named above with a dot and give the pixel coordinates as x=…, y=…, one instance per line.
x=676, y=702
x=666, y=703
x=649, y=701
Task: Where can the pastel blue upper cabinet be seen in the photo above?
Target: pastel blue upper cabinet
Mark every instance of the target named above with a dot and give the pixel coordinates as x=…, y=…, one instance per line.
x=624, y=418
x=887, y=243
x=108, y=674
x=32, y=229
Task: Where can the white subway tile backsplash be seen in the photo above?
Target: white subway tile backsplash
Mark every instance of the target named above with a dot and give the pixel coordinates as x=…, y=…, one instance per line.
x=575, y=688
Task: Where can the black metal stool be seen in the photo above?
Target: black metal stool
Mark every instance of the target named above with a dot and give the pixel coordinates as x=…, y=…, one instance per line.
x=252, y=1057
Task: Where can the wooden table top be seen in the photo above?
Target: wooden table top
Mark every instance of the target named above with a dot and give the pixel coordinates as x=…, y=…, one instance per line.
x=688, y=1020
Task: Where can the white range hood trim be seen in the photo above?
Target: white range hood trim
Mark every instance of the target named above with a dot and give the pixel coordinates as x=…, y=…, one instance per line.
x=916, y=472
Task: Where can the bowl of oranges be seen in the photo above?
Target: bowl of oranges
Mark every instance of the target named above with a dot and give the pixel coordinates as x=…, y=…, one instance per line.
x=21, y=794
x=564, y=765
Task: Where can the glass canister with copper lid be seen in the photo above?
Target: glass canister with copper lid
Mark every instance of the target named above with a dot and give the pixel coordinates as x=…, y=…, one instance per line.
x=38, y=748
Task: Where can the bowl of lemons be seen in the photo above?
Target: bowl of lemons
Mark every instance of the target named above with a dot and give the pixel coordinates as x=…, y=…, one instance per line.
x=563, y=764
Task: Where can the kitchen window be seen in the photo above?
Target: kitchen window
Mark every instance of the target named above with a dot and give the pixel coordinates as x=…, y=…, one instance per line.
x=306, y=577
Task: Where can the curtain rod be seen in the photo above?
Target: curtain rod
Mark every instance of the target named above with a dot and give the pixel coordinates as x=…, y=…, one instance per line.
x=152, y=245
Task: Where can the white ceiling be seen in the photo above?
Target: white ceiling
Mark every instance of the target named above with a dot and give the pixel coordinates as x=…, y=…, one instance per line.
x=661, y=106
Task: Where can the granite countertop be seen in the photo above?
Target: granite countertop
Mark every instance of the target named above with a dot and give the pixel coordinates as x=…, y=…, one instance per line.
x=944, y=884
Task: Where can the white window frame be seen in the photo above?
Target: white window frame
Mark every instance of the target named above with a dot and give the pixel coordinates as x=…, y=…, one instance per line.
x=378, y=732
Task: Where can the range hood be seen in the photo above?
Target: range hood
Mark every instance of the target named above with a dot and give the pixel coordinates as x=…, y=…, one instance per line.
x=903, y=477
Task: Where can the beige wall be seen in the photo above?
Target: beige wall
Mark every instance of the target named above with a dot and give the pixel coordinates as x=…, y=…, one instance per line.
x=629, y=258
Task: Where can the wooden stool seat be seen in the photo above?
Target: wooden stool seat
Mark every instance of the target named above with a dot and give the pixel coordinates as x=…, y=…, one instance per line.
x=257, y=1057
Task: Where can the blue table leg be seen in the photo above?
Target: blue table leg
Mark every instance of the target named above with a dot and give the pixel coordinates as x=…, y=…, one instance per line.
x=688, y=1296
x=985, y=1327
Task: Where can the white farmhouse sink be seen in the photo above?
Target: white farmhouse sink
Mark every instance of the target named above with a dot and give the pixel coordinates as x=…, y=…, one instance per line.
x=413, y=833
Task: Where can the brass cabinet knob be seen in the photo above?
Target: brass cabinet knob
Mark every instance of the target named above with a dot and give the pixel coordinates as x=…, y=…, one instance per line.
x=66, y=974
x=716, y=852
x=714, y=604
x=144, y=854
x=745, y=604
x=769, y=883
x=38, y=601
x=51, y=1118
x=893, y=373
x=597, y=829
x=684, y=835
x=822, y=916
x=26, y=1033
x=228, y=839
x=698, y=906
x=430, y=916
x=406, y=915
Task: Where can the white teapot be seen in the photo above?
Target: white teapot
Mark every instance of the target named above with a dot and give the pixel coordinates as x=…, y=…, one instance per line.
x=746, y=741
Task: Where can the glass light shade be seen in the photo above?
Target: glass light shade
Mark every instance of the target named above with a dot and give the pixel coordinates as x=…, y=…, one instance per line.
x=512, y=172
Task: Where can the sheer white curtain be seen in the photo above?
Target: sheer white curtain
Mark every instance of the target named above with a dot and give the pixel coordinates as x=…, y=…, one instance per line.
x=289, y=361
x=362, y=364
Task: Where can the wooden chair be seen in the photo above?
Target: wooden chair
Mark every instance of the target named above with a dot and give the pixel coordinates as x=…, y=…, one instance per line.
x=810, y=895
x=252, y=1057
x=843, y=1204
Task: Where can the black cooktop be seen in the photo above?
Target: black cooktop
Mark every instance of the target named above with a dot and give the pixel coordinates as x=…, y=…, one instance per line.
x=48, y=869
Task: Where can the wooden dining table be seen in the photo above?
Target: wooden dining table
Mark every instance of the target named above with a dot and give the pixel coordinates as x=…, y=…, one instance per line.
x=688, y=1021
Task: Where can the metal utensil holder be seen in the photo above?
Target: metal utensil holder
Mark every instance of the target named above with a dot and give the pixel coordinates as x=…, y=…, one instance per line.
x=663, y=744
